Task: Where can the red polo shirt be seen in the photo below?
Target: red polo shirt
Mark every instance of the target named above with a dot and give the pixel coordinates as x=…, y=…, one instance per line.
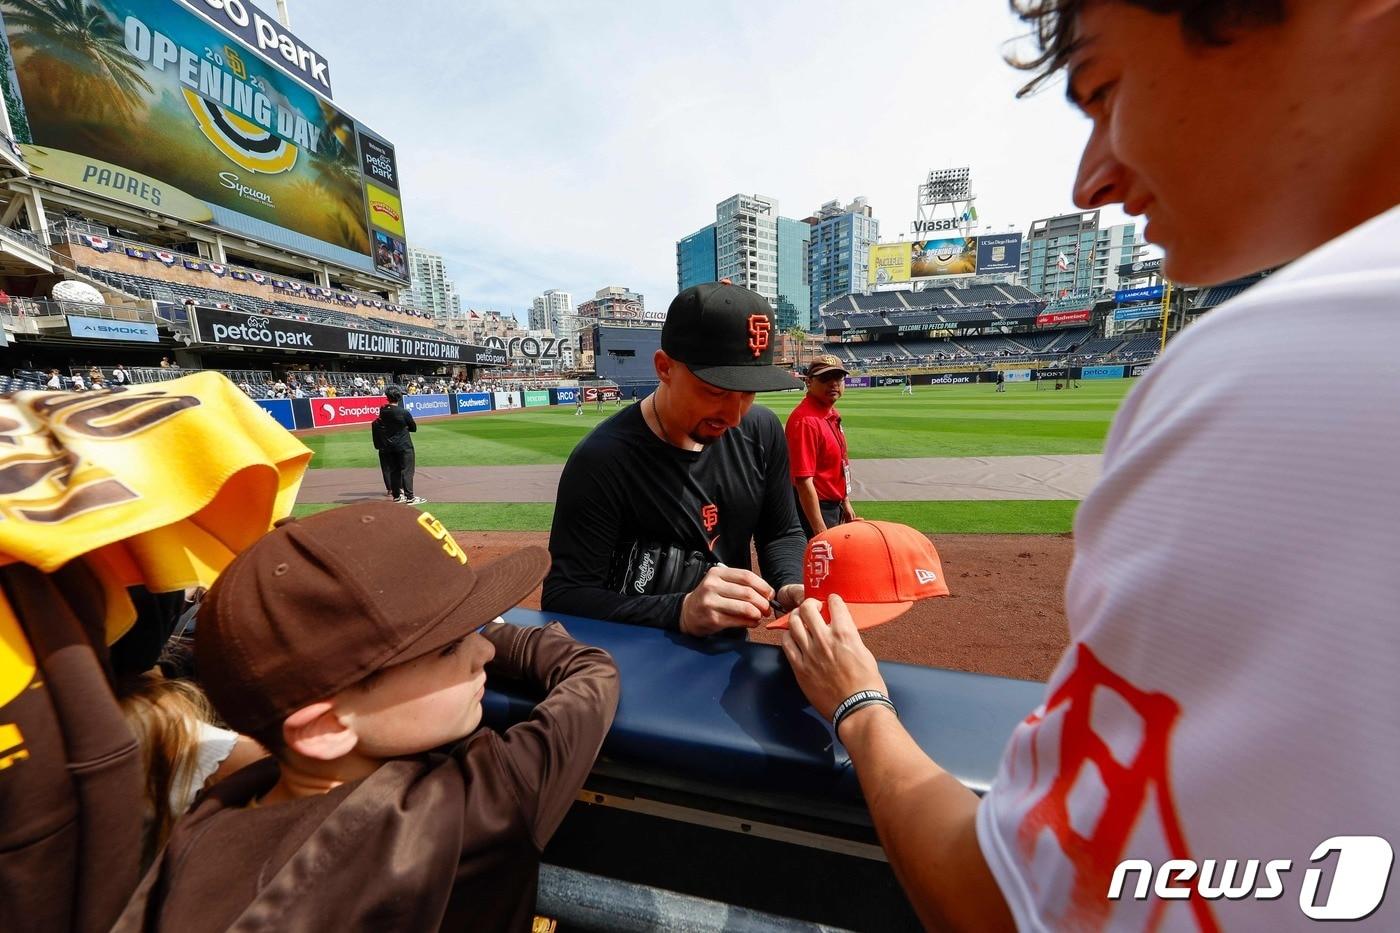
x=817, y=448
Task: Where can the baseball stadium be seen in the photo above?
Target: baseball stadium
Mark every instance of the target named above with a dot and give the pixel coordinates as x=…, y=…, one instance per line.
x=865, y=581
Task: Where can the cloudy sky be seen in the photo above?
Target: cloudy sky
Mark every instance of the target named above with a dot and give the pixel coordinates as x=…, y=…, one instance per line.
x=570, y=143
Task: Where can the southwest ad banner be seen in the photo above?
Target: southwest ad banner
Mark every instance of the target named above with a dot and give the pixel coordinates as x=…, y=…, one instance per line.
x=891, y=263
x=147, y=103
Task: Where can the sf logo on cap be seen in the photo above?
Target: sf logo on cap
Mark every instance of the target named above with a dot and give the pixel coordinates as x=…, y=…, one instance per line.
x=759, y=326
x=819, y=558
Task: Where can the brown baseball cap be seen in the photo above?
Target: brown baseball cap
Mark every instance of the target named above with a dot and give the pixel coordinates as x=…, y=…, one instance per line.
x=318, y=604
x=826, y=363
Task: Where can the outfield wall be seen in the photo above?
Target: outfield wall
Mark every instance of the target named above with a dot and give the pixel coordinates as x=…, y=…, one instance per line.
x=303, y=414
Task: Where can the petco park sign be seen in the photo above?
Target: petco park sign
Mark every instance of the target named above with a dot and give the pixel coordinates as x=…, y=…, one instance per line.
x=232, y=328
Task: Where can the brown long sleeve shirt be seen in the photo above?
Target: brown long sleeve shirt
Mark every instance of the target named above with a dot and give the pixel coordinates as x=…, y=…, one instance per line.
x=435, y=841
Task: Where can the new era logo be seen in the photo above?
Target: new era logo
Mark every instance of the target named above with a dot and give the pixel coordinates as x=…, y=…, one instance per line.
x=925, y=576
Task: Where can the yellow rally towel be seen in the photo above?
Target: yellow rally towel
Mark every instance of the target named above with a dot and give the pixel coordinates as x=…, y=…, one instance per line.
x=160, y=485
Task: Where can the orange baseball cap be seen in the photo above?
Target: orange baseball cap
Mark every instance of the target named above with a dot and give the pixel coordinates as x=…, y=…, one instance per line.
x=879, y=568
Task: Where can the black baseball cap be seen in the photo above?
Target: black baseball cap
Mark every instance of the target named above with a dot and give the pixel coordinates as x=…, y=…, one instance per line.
x=725, y=334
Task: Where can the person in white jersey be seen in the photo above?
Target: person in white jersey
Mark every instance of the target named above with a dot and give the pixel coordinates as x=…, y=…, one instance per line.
x=1228, y=709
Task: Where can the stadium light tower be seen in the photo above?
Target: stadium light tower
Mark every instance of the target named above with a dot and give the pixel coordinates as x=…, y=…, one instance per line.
x=946, y=204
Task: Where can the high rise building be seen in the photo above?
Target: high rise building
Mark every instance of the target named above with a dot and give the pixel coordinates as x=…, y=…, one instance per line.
x=1070, y=255
x=1057, y=256
x=554, y=311
x=794, y=304
x=746, y=243
x=429, y=287
x=839, y=254
x=1116, y=245
x=695, y=258
x=615, y=303
x=750, y=245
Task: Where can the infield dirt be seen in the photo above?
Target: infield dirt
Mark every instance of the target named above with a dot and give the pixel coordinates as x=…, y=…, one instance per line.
x=1005, y=615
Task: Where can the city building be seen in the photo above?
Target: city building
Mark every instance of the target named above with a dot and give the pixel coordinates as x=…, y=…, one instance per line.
x=794, y=305
x=429, y=287
x=839, y=253
x=1116, y=245
x=695, y=259
x=746, y=243
x=617, y=303
x=750, y=245
x=1072, y=255
x=554, y=311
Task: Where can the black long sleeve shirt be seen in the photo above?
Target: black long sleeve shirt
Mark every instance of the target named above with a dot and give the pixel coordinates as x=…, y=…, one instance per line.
x=623, y=484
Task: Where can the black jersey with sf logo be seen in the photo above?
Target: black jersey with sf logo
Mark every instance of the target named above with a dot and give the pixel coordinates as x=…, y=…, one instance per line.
x=623, y=485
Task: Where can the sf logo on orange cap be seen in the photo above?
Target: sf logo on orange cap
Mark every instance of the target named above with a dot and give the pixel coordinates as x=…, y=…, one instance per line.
x=759, y=326
x=819, y=558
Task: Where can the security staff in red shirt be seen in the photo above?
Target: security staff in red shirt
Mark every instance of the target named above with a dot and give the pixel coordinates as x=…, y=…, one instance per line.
x=821, y=470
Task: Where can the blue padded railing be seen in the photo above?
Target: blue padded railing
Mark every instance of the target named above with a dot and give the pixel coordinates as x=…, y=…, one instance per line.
x=730, y=711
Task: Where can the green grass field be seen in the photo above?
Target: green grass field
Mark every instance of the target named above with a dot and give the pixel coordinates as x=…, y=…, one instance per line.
x=951, y=421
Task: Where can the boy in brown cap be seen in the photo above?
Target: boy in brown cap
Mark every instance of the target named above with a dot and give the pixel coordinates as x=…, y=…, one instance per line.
x=355, y=644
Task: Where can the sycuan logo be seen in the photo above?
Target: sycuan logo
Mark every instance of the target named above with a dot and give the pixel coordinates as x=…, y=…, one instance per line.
x=1359, y=879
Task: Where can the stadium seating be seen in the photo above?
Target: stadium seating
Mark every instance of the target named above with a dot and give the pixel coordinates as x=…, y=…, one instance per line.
x=866, y=320
x=880, y=301
x=162, y=290
x=1098, y=346
x=1221, y=294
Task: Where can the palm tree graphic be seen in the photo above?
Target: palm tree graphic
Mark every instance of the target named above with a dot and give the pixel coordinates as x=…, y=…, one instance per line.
x=77, y=56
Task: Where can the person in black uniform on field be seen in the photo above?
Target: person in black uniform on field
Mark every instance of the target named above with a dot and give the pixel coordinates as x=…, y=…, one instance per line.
x=392, y=433
x=658, y=507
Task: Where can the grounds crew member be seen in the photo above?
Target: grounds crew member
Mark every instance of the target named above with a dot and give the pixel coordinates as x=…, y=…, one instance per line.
x=819, y=463
x=1229, y=689
x=658, y=507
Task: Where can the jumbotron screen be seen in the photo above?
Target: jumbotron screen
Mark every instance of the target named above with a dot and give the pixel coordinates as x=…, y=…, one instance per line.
x=150, y=104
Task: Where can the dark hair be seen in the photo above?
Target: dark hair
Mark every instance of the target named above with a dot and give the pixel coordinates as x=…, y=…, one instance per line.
x=1204, y=22
x=394, y=394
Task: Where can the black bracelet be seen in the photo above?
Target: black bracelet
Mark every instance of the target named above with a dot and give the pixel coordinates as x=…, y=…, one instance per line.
x=855, y=701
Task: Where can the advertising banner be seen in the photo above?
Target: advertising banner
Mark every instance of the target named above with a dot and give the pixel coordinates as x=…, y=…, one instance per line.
x=92, y=328
x=999, y=252
x=281, y=411
x=947, y=379
x=505, y=400
x=1101, y=372
x=1018, y=375
x=1137, y=369
x=951, y=256
x=606, y=393
x=535, y=398
x=148, y=103
x=1050, y=373
x=888, y=380
x=1139, y=269
x=889, y=262
x=859, y=382
x=565, y=395
x=328, y=412
x=925, y=259
x=470, y=403
x=1148, y=293
x=1053, y=318
x=427, y=406
x=1137, y=313
x=233, y=328
x=272, y=39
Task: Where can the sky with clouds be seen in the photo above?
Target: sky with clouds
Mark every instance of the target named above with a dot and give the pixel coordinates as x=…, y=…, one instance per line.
x=569, y=143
